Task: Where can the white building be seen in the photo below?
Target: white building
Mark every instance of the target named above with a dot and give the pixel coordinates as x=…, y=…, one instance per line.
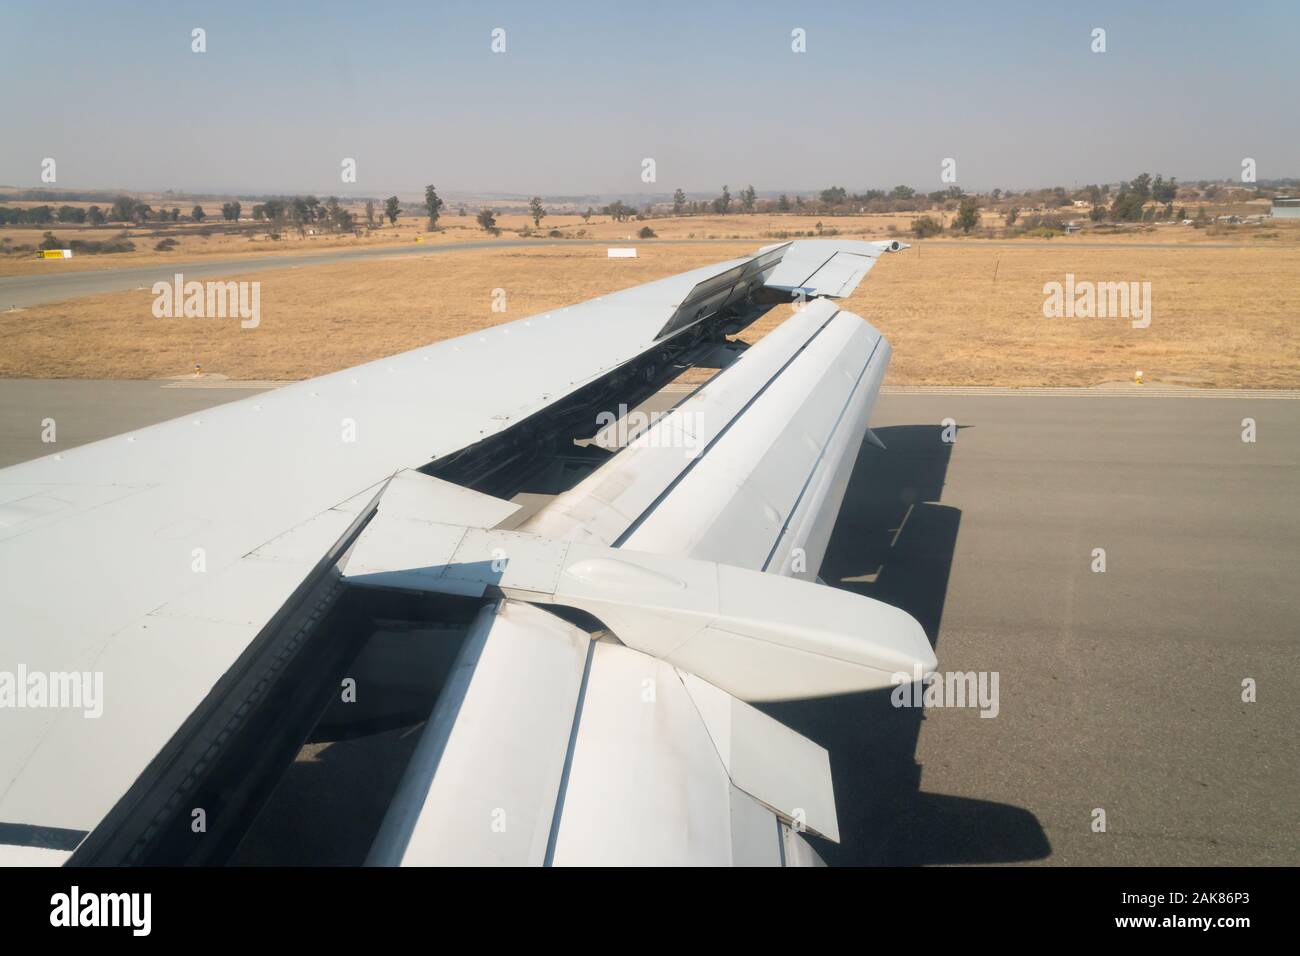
x=1286, y=207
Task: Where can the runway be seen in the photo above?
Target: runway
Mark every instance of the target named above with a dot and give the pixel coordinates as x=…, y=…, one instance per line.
x=24, y=291
x=1118, y=690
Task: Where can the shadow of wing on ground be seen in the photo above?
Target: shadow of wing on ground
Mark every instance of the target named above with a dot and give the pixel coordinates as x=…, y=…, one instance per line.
x=894, y=542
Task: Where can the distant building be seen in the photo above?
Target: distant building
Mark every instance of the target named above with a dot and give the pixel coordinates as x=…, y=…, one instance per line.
x=1286, y=207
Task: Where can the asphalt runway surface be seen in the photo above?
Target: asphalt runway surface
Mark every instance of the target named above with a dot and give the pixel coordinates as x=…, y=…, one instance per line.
x=23, y=291
x=1118, y=691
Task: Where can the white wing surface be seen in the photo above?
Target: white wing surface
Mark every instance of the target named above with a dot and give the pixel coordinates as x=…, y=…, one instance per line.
x=200, y=567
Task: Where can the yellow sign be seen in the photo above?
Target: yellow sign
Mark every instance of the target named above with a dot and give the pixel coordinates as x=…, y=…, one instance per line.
x=56, y=254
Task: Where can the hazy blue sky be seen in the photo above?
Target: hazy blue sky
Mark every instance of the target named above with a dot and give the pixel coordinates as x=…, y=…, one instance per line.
x=711, y=91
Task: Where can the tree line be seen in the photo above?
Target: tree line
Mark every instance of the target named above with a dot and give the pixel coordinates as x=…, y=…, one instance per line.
x=1133, y=201
x=125, y=209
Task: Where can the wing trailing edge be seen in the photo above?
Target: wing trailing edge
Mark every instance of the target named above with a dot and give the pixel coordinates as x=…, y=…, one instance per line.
x=604, y=755
x=820, y=267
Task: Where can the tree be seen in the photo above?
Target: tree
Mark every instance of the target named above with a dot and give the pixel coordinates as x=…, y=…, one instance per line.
x=1127, y=206
x=902, y=192
x=487, y=218
x=338, y=217
x=433, y=205
x=123, y=209
x=619, y=210
x=723, y=202
x=679, y=202
x=783, y=204
x=925, y=226
x=1012, y=213
x=536, y=210
x=370, y=212
x=300, y=213
x=586, y=216
x=392, y=209
x=833, y=196
x=95, y=215
x=968, y=214
x=747, y=198
x=230, y=211
x=197, y=213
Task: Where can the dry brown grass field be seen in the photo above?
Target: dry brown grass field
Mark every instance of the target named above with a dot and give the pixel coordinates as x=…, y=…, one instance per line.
x=956, y=314
x=323, y=318
x=1227, y=318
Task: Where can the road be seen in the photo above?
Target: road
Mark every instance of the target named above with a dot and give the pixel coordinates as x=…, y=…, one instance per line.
x=1118, y=691
x=23, y=291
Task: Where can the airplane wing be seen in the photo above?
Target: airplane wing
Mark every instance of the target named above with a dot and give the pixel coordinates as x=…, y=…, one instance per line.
x=181, y=603
x=831, y=269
